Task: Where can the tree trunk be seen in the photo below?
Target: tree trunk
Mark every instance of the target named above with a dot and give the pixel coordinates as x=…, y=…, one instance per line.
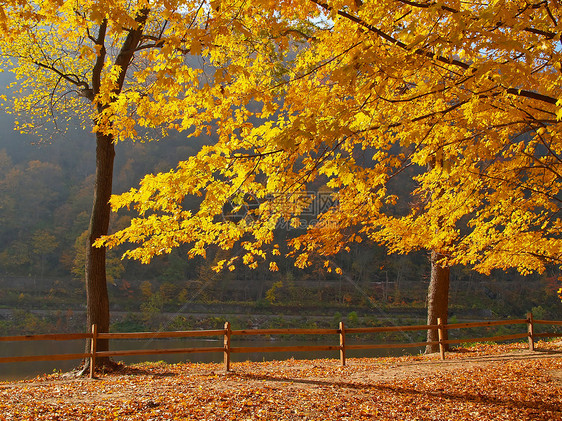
x=96, y=284
x=437, y=299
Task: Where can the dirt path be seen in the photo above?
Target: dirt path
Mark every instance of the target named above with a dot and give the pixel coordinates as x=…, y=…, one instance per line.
x=485, y=382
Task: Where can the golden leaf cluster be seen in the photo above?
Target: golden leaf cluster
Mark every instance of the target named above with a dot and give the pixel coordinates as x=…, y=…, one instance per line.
x=463, y=99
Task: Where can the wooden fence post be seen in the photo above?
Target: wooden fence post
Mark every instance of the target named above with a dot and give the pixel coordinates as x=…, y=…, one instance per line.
x=227, y=333
x=342, y=344
x=93, y=349
x=530, y=331
x=441, y=335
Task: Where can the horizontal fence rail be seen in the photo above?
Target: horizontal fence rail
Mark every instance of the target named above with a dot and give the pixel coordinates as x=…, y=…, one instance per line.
x=227, y=334
x=46, y=337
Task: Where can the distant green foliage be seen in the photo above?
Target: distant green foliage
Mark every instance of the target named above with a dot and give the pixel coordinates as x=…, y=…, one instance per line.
x=45, y=200
x=131, y=323
x=352, y=319
x=539, y=313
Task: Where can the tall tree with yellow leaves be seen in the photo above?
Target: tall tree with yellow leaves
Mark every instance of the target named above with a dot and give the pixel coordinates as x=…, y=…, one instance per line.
x=468, y=92
x=122, y=69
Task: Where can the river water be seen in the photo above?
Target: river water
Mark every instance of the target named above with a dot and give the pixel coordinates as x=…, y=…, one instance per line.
x=28, y=370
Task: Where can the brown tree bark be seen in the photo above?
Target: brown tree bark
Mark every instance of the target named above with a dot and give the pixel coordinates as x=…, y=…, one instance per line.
x=96, y=285
x=437, y=299
x=96, y=282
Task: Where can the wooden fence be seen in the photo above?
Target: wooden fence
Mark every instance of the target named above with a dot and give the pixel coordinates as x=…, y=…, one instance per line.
x=227, y=333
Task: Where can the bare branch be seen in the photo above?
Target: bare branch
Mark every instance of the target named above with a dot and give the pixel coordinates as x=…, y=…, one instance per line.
x=71, y=78
x=318, y=67
x=257, y=155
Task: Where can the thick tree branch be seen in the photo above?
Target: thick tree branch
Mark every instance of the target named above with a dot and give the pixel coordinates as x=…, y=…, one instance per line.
x=454, y=62
x=129, y=47
x=546, y=34
x=100, y=60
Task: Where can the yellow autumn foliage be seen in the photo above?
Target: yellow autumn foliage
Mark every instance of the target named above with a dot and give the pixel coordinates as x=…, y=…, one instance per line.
x=347, y=95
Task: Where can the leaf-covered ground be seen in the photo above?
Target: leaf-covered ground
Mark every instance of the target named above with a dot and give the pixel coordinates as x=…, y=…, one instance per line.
x=480, y=383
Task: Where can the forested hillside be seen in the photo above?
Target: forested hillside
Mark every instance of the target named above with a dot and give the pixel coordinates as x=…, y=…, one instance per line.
x=45, y=199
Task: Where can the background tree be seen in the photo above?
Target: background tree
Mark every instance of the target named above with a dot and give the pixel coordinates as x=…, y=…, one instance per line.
x=43, y=243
